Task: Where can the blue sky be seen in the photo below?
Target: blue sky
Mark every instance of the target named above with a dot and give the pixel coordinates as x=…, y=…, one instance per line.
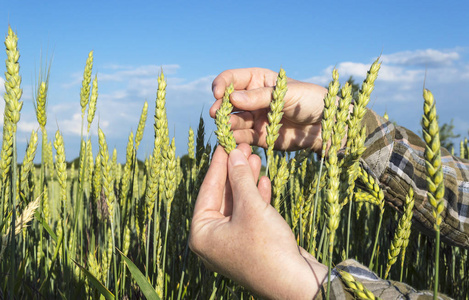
x=195, y=41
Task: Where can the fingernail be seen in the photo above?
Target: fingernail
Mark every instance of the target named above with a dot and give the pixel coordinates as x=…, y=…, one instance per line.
x=239, y=96
x=237, y=158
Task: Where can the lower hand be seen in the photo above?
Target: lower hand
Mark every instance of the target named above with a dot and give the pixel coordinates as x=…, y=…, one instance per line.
x=236, y=232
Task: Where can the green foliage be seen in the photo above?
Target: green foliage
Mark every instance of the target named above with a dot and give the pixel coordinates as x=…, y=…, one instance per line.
x=142, y=282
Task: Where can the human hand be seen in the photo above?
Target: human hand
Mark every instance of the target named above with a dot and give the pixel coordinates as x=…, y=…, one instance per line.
x=236, y=232
x=252, y=96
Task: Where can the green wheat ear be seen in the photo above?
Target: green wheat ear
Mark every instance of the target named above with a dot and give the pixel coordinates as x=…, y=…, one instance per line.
x=92, y=102
x=224, y=133
x=141, y=125
x=275, y=114
x=431, y=136
x=85, y=87
x=401, y=237
x=41, y=99
x=435, y=184
x=360, y=291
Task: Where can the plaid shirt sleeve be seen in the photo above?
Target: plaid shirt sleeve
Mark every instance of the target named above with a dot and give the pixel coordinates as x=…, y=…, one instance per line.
x=395, y=156
x=384, y=289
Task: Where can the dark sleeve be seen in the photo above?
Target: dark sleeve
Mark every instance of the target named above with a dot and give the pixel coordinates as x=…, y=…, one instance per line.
x=395, y=156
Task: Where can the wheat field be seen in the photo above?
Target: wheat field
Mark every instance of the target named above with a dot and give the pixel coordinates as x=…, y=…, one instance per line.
x=96, y=228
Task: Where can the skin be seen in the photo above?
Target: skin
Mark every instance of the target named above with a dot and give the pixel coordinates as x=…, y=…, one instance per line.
x=235, y=230
x=253, y=92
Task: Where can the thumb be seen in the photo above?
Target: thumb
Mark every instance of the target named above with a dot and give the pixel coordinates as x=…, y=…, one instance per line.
x=242, y=181
x=251, y=100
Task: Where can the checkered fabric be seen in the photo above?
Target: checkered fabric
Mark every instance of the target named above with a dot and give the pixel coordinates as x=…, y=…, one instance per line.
x=395, y=157
x=384, y=289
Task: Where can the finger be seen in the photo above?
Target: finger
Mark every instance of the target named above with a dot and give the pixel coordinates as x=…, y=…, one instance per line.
x=243, y=79
x=260, y=98
x=211, y=191
x=254, y=160
x=255, y=164
x=264, y=187
x=216, y=105
x=245, y=148
x=251, y=100
x=226, y=208
x=213, y=110
x=242, y=120
x=242, y=182
x=249, y=136
x=227, y=205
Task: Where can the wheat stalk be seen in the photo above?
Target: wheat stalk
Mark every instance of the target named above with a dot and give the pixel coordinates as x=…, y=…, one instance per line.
x=127, y=173
x=191, y=144
x=280, y=180
x=13, y=106
x=41, y=105
x=107, y=179
x=160, y=116
x=93, y=102
x=28, y=165
x=90, y=162
x=436, y=188
x=332, y=189
x=375, y=190
x=408, y=213
x=327, y=124
x=141, y=125
x=401, y=237
x=85, y=85
x=330, y=108
x=356, y=133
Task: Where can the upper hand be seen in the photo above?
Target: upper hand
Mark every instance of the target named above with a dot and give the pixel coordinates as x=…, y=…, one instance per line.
x=252, y=96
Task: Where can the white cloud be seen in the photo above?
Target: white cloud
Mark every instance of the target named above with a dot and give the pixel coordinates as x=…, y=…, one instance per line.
x=353, y=69
x=404, y=70
x=121, y=73
x=124, y=73
x=398, y=89
x=122, y=91
x=2, y=85
x=423, y=58
x=389, y=73
x=203, y=84
x=167, y=69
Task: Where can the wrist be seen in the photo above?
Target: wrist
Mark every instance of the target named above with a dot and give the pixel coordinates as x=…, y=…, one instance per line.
x=303, y=278
x=314, y=273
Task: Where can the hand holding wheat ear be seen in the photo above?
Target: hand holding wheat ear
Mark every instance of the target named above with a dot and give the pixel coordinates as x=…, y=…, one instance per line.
x=251, y=98
x=240, y=211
